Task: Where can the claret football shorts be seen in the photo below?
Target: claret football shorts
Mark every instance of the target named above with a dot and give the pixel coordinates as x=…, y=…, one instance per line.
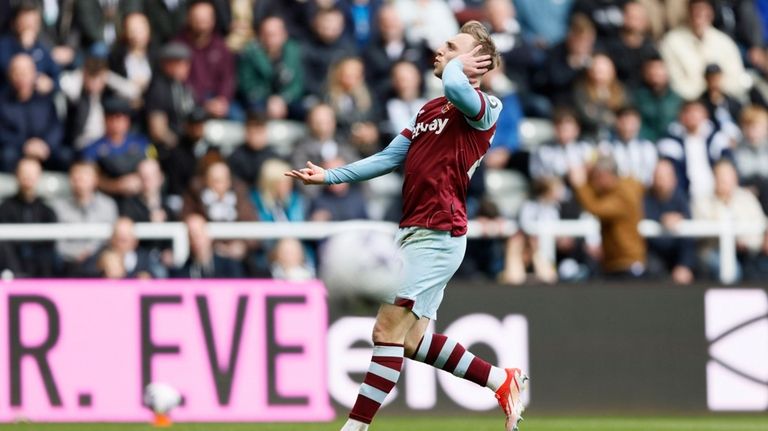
x=430, y=258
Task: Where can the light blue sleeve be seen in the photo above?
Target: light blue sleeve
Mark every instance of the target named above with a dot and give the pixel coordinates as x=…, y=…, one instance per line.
x=480, y=109
x=374, y=166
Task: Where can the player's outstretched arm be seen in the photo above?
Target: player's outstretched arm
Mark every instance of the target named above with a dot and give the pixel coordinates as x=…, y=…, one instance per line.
x=374, y=166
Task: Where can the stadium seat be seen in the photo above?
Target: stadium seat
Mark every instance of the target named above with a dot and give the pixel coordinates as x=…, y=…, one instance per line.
x=535, y=131
x=507, y=189
x=225, y=134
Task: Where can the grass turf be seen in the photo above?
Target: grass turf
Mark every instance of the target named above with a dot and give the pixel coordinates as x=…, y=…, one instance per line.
x=699, y=423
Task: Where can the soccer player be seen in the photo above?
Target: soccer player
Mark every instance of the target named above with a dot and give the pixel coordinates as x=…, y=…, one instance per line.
x=439, y=152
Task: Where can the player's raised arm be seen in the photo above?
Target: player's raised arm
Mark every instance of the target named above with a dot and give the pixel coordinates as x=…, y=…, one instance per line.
x=481, y=110
x=373, y=166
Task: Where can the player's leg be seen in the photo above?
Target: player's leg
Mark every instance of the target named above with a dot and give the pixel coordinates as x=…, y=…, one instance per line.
x=392, y=324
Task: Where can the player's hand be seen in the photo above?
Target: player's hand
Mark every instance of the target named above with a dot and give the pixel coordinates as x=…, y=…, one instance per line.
x=312, y=174
x=475, y=64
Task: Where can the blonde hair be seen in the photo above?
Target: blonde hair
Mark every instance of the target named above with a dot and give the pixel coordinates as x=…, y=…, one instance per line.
x=483, y=38
x=336, y=92
x=271, y=174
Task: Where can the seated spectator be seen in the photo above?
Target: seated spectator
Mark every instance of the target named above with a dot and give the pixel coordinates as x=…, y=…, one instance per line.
x=137, y=261
x=336, y=203
x=288, y=261
x=219, y=197
x=617, y=203
x=667, y=204
x=99, y=21
x=118, y=152
x=85, y=205
x=85, y=90
x=133, y=57
x=326, y=47
x=607, y=15
x=751, y=154
x=390, y=47
x=598, y=96
x=212, y=66
x=632, y=45
x=522, y=250
x=169, y=100
x=351, y=100
x=723, y=109
x=655, y=99
x=111, y=265
x=204, y=261
x=35, y=258
x=694, y=145
x=166, y=18
x=635, y=157
x=544, y=22
x=59, y=31
x=688, y=50
x=180, y=162
x=506, y=142
x=405, y=103
x=247, y=159
x=29, y=124
x=322, y=142
x=736, y=204
x=25, y=39
x=270, y=74
x=430, y=21
x=565, y=152
x=151, y=203
x=275, y=198
x=569, y=59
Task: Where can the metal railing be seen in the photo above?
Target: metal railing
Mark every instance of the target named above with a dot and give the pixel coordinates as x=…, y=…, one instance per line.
x=547, y=232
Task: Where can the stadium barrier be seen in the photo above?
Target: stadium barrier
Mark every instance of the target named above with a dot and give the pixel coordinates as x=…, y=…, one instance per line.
x=724, y=231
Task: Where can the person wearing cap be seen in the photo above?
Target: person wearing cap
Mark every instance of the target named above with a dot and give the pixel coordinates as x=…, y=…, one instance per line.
x=247, y=159
x=119, y=152
x=212, y=65
x=724, y=109
x=169, y=100
x=25, y=38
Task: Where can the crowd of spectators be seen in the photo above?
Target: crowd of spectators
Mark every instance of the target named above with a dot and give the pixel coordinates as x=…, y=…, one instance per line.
x=659, y=111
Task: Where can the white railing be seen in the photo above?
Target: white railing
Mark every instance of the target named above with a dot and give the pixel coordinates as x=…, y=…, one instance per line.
x=547, y=232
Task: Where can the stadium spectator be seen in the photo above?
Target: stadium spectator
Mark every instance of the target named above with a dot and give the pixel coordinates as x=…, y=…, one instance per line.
x=389, y=48
x=352, y=101
x=665, y=15
x=169, y=100
x=597, y=97
x=212, y=66
x=506, y=142
x=429, y=21
x=655, y=99
x=694, y=145
x=361, y=20
x=667, y=204
x=687, y=50
x=740, y=20
x=133, y=56
x=635, y=157
x=338, y=202
x=118, y=152
x=239, y=20
x=288, y=261
x=321, y=142
x=29, y=124
x=25, y=39
x=522, y=250
x=751, y=154
x=204, y=261
x=728, y=201
x=85, y=90
x=166, y=18
x=111, y=266
x=275, y=197
x=59, y=30
x=85, y=205
x=565, y=152
x=568, y=60
x=218, y=196
x=35, y=258
x=632, y=45
x=618, y=205
x=544, y=22
x=137, y=261
x=406, y=101
x=607, y=15
x=248, y=158
x=270, y=74
x=151, y=203
x=99, y=20
x=326, y=47
x=724, y=109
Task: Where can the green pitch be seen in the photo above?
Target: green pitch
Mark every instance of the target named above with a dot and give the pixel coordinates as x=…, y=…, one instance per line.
x=703, y=423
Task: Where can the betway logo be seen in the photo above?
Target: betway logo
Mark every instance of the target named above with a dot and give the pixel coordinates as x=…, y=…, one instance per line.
x=437, y=125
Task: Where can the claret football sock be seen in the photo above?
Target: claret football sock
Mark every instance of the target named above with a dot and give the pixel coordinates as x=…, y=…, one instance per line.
x=441, y=352
x=383, y=373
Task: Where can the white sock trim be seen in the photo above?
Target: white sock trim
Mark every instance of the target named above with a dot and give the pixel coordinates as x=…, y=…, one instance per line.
x=496, y=378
